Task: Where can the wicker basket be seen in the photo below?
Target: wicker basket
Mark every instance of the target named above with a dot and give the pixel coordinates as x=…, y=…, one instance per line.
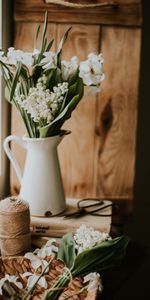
x=18, y=265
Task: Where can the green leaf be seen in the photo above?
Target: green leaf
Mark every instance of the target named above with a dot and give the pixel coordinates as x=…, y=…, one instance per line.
x=73, y=78
x=44, y=40
x=107, y=254
x=72, y=91
x=58, y=76
x=5, y=66
x=36, y=36
x=54, y=127
x=66, y=250
x=60, y=47
x=76, y=89
x=37, y=72
x=44, y=28
x=53, y=78
x=50, y=79
x=15, y=81
x=63, y=105
x=24, y=73
x=49, y=45
x=80, y=87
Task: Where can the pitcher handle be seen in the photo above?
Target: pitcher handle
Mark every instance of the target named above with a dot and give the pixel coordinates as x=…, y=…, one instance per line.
x=10, y=155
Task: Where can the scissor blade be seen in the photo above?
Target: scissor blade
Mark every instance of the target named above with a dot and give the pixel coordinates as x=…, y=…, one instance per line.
x=75, y=214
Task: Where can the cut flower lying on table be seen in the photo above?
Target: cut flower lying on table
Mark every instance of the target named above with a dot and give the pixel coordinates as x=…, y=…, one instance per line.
x=84, y=254
x=46, y=89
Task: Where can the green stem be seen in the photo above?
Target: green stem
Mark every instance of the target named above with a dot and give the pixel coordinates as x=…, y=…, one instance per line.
x=55, y=291
x=29, y=292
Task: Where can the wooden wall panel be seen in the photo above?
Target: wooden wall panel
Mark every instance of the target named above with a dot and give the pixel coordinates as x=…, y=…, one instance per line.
x=126, y=12
x=117, y=113
x=78, y=148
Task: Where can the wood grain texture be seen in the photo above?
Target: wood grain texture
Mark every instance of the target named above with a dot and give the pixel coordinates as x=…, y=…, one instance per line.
x=24, y=39
x=116, y=121
x=128, y=12
x=77, y=150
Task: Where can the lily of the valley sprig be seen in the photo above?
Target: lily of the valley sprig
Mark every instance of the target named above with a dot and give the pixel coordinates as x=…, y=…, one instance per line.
x=46, y=89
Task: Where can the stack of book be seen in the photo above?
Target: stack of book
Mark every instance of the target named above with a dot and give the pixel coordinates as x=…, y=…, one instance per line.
x=58, y=226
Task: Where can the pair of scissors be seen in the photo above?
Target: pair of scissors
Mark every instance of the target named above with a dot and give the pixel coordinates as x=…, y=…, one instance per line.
x=94, y=207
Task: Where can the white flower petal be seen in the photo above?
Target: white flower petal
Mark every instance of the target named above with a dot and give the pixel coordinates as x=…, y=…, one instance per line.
x=48, y=251
x=36, y=263
x=42, y=104
x=26, y=274
x=91, y=70
x=41, y=253
x=42, y=282
x=84, y=67
x=49, y=61
x=50, y=242
x=32, y=280
x=94, y=280
x=19, y=284
x=69, y=67
x=29, y=255
x=10, y=278
x=87, y=237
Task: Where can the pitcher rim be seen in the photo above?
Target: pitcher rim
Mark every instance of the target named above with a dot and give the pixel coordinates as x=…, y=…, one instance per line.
x=62, y=133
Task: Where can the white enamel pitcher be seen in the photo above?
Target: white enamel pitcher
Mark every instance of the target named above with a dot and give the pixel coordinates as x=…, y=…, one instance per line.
x=41, y=183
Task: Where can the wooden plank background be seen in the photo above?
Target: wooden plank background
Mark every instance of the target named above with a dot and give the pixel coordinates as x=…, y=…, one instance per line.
x=124, y=12
x=98, y=157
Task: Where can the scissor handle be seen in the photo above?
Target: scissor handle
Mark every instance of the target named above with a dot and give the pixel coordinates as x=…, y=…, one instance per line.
x=95, y=200
x=113, y=205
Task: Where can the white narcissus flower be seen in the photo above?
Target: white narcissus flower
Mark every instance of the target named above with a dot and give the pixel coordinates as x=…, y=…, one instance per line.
x=94, y=281
x=10, y=278
x=69, y=67
x=36, y=262
x=91, y=70
x=47, y=250
x=33, y=278
x=49, y=61
x=13, y=56
x=36, y=52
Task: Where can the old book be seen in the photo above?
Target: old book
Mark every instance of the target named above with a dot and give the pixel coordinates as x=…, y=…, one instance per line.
x=58, y=226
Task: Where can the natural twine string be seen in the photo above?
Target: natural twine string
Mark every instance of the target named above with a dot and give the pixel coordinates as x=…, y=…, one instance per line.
x=15, y=237
x=79, y=5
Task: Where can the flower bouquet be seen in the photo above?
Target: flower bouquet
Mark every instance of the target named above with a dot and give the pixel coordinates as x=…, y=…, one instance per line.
x=46, y=89
x=69, y=270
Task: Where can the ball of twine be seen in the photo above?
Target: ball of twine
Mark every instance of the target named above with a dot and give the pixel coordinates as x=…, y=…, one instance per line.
x=15, y=237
